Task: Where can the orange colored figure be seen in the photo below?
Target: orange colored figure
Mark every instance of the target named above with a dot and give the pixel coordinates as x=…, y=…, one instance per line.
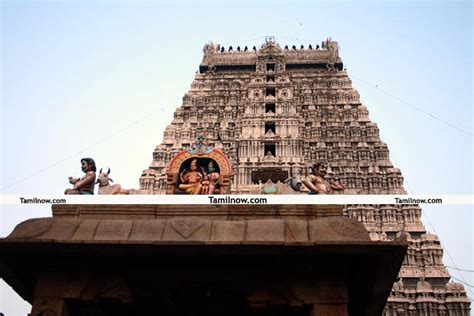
x=191, y=179
x=317, y=184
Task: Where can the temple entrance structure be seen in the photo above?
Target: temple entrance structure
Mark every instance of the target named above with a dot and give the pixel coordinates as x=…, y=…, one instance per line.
x=282, y=108
x=269, y=109
x=99, y=260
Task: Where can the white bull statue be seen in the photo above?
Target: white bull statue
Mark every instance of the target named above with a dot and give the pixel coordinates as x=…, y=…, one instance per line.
x=106, y=188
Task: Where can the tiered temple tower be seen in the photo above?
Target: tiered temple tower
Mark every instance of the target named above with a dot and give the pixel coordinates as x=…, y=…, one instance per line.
x=274, y=111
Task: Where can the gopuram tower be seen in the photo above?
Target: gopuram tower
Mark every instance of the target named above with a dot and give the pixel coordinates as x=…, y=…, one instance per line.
x=274, y=111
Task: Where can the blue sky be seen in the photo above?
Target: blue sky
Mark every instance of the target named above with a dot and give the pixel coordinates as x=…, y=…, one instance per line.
x=74, y=73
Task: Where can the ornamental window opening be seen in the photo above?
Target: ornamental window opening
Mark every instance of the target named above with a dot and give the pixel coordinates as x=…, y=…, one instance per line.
x=270, y=126
x=269, y=149
x=270, y=92
x=270, y=67
x=270, y=108
x=270, y=78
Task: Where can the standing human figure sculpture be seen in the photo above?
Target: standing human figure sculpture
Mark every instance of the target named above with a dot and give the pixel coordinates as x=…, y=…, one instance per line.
x=191, y=179
x=316, y=183
x=211, y=179
x=84, y=185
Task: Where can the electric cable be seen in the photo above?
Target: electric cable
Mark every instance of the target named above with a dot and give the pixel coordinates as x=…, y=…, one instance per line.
x=413, y=106
x=459, y=269
x=449, y=255
x=117, y=132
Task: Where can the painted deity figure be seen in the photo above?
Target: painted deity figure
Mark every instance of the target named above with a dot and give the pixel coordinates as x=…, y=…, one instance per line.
x=191, y=179
x=316, y=183
x=84, y=185
x=211, y=179
x=269, y=188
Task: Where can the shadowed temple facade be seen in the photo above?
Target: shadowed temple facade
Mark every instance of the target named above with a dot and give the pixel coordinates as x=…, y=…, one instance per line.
x=276, y=110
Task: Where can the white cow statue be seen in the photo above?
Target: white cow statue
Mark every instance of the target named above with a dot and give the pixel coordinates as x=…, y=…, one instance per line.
x=106, y=188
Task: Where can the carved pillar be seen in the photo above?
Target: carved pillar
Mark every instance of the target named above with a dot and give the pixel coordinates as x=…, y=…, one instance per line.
x=49, y=307
x=49, y=297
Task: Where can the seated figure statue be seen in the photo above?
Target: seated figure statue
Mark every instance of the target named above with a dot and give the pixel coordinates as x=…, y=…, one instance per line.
x=84, y=185
x=316, y=183
x=191, y=179
x=269, y=187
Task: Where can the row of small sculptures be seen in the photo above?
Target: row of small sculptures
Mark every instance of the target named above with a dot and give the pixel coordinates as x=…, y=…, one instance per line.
x=195, y=181
x=85, y=185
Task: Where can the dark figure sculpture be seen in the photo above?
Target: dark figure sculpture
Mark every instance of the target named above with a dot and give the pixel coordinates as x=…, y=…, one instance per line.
x=316, y=183
x=84, y=185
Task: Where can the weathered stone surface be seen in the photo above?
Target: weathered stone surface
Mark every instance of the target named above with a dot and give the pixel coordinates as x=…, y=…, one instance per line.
x=147, y=230
x=336, y=229
x=32, y=228
x=228, y=231
x=269, y=231
x=183, y=230
x=62, y=227
x=296, y=231
x=189, y=229
x=86, y=230
x=113, y=229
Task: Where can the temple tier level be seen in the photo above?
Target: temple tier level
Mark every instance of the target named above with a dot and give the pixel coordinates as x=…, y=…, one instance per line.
x=274, y=111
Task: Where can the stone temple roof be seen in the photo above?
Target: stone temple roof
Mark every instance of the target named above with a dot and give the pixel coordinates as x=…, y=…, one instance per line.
x=215, y=55
x=191, y=231
x=133, y=238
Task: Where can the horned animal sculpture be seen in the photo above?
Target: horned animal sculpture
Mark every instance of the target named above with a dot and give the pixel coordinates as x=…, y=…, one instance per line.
x=292, y=186
x=105, y=187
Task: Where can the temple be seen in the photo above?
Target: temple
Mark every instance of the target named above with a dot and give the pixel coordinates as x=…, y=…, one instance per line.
x=276, y=110
x=171, y=260
x=259, y=116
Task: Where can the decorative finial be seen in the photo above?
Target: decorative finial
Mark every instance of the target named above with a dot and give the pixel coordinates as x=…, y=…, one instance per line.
x=270, y=39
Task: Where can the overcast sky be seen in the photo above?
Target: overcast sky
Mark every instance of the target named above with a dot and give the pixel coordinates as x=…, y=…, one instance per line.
x=102, y=80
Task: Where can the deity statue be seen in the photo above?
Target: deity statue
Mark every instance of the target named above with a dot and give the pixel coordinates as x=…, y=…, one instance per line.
x=316, y=183
x=84, y=185
x=211, y=179
x=269, y=157
x=191, y=179
x=269, y=188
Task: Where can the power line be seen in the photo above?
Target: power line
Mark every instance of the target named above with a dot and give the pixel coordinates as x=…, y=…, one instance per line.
x=78, y=152
x=413, y=106
x=463, y=282
x=459, y=269
x=449, y=255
